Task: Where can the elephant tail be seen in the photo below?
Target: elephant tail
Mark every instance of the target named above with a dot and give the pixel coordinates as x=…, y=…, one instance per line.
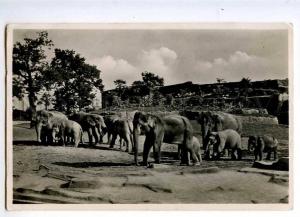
x=239, y=125
x=185, y=133
x=81, y=136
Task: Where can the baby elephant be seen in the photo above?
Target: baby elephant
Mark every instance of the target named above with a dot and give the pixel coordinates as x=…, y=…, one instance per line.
x=225, y=139
x=196, y=148
x=260, y=144
x=68, y=130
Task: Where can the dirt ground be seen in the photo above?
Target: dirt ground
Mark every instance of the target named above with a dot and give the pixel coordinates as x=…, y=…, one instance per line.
x=98, y=174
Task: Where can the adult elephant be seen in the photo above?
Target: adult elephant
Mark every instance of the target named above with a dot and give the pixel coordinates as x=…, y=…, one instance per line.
x=220, y=140
x=213, y=122
x=93, y=124
x=110, y=126
x=123, y=128
x=173, y=129
x=217, y=121
x=118, y=123
x=43, y=121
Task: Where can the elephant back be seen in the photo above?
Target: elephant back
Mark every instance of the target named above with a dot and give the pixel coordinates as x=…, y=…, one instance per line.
x=228, y=121
x=178, y=129
x=51, y=116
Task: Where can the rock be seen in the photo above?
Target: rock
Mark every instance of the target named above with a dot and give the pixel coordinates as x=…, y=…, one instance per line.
x=284, y=200
x=82, y=183
x=282, y=164
x=264, y=171
x=202, y=170
x=158, y=166
x=281, y=180
x=152, y=183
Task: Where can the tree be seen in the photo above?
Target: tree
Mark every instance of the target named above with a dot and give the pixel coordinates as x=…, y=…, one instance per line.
x=156, y=98
x=139, y=88
x=148, y=83
x=169, y=100
x=245, y=85
x=46, y=100
x=122, y=89
x=29, y=65
x=220, y=80
x=151, y=80
x=120, y=84
x=73, y=81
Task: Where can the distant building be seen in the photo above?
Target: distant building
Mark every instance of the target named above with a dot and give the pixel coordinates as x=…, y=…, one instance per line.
x=231, y=90
x=20, y=104
x=97, y=101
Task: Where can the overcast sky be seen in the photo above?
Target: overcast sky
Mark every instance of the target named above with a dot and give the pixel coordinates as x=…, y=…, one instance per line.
x=178, y=56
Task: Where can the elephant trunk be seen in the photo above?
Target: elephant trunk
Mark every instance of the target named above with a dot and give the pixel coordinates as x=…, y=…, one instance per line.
x=53, y=135
x=220, y=149
x=136, y=132
x=38, y=128
x=205, y=132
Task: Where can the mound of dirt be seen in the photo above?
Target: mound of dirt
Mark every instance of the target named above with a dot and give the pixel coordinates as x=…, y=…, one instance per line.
x=258, y=120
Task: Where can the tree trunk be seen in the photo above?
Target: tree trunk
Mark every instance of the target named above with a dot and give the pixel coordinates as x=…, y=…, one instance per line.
x=31, y=95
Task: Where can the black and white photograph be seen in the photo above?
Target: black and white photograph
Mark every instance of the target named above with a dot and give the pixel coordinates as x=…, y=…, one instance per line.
x=149, y=114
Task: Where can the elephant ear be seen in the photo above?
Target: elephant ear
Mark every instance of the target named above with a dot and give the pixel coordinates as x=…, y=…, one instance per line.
x=213, y=133
x=47, y=116
x=260, y=140
x=218, y=138
x=212, y=138
x=91, y=121
x=151, y=122
x=217, y=120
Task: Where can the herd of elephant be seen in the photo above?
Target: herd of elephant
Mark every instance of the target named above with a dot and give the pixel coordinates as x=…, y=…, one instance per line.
x=220, y=132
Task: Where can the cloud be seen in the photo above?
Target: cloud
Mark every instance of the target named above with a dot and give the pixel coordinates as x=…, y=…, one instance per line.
x=166, y=63
x=236, y=66
x=113, y=69
x=159, y=61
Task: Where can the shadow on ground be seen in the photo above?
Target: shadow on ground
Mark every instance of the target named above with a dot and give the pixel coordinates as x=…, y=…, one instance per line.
x=92, y=164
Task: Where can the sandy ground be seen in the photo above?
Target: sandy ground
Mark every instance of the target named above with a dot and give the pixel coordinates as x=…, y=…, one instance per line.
x=55, y=174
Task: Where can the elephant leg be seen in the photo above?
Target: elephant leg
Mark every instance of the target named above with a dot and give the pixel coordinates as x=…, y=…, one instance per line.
x=90, y=136
x=108, y=137
x=233, y=156
x=77, y=138
x=178, y=157
x=131, y=141
x=239, y=154
x=158, y=139
x=195, y=157
x=95, y=135
x=184, y=155
x=100, y=134
x=147, y=146
x=63, y=138
x=269, y=155
x=157, y=152
x=199, y=156
x=260, y=155
x=226, y=152
x=49, y=138
x=113, y=141
x=128, y=142
x=121, y=141
x=101, y=138
x=255, y=155
x=275, y=154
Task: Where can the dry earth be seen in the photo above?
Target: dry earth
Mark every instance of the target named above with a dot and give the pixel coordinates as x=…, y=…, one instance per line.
x=55, y=174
